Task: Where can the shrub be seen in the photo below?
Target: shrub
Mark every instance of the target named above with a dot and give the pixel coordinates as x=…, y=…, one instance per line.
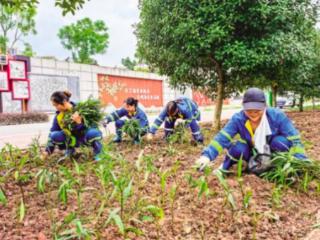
x=22, y=118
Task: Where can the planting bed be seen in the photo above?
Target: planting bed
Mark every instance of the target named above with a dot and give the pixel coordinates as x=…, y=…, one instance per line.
x=151, y=192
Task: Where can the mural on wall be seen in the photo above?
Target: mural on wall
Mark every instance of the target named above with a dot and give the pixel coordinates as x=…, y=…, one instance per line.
x=42, y=86
x=115, y=89
x=203, y=100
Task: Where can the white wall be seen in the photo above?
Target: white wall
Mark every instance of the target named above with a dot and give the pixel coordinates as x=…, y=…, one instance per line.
x=88, y=76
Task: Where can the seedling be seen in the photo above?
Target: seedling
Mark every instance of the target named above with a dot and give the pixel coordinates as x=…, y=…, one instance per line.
x=132, y=129
x=3, y=198
x=157, y=216
x=179, y=135
x=122, y=188
x=114, y=216
x=78, y=231
x=288, y=170
x=172, y=198
x=228, y=193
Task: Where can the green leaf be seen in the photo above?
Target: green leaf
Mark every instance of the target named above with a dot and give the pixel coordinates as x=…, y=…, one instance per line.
x=22, y=210
x=127, y=191
x=3, y=198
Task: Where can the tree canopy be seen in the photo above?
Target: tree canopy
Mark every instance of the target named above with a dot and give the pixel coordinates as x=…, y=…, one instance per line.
x=85, y=38
x=15, y=24
x=67, y=6
x=223, y=46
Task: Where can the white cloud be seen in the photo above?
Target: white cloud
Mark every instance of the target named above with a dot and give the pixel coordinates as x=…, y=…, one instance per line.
x=119, y=16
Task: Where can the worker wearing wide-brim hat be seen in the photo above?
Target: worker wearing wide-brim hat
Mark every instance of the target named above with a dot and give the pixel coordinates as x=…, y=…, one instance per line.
x=257, y=127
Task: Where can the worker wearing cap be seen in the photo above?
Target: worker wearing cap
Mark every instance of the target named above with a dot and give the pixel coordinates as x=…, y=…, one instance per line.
x=256, y=127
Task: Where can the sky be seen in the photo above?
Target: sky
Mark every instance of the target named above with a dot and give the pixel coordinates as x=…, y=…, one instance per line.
x=119, y=16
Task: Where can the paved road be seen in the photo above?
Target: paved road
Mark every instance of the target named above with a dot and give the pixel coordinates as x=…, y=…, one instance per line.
x=22, y=135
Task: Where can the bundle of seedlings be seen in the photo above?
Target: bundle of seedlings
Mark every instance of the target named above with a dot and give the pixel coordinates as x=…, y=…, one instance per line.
x=89, y=111
x=180, y=134
x=132, y=129
x=289, y=170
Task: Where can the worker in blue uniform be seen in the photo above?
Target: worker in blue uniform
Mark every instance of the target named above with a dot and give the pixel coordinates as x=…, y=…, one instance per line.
x=257, y=128
x=181, y=108
x=80, y=135
x=131, y=111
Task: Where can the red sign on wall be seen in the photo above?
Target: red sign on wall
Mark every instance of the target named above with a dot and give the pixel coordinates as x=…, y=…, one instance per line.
x=201, y=99
x=115, y=89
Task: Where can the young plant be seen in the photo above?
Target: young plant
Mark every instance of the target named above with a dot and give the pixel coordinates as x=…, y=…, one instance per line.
x=22, y=210
x=77, y=231
x=132, y=129
x=44, y=177
x=246, y=194
x=34, y=151
x=172, y=198
x=288, y=170
x=227, y=191
x=203, y=187
x=163, y=175
x=114, y=216
x=3, y=198
x=123, y=189
x=276, y=196
x=157, y=215
x=103, y=172
x=64, y=190
x=180, y=134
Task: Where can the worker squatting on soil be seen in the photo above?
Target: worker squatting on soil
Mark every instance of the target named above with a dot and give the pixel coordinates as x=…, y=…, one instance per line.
x=181, y=108
x=60, y=136
x=262, y=130
x=132, y=111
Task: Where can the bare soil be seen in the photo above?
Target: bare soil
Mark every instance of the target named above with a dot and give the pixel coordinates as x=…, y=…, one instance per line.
x=189, y=217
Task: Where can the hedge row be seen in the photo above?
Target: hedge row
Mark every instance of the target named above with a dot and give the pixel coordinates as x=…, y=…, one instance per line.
x=22, y=118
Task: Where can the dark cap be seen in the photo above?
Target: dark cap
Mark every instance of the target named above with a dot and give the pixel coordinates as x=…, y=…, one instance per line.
x=254, y=99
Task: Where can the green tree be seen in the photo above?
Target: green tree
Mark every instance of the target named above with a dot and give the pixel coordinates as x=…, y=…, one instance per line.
x=220, y=46
x=67, y=6
x=28, y=51
x=15, y=24
x=128, y=63
x=85, y=38
x=306, y=77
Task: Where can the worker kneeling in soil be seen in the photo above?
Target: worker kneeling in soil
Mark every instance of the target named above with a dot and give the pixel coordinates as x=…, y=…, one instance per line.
x=65, y=139
x=261, y=130
x=132, y=111
x=181, y=108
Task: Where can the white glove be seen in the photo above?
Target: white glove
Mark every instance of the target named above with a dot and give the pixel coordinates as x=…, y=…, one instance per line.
x=149, y=136
x=202, y=162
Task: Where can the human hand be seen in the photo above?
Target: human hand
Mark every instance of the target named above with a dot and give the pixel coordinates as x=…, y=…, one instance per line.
x=149, y=137
x=201, y=163
x=76, y=118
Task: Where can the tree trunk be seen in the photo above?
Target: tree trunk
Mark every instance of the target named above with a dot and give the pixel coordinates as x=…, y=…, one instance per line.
x=274, y=94
x=313, y=104
x=294, y=100
x=219, y=101
x=301, y=103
